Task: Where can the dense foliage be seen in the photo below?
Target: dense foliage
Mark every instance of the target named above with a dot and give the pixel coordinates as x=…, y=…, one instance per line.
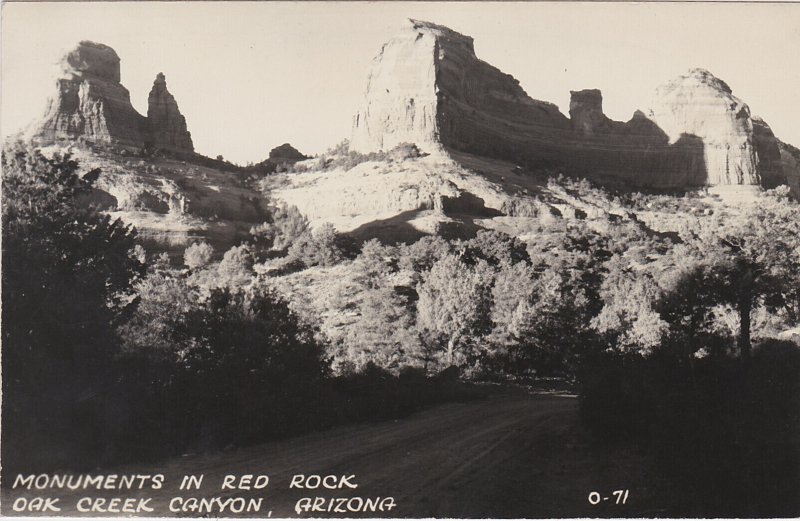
x=67, y=274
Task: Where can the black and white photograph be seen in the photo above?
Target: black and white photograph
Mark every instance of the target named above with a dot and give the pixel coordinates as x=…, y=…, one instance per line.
x=505, y=260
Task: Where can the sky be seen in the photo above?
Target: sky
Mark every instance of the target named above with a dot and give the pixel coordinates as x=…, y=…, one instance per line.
x=251, y=76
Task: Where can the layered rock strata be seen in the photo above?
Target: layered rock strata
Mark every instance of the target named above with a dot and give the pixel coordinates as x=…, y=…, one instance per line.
x=90, y=101
x=427, y=86
x=91, y=104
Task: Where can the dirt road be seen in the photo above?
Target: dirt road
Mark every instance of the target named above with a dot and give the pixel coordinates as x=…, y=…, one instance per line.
x=509, y=455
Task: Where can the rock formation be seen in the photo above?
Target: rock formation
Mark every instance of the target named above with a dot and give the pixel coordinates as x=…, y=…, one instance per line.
x=90, y=102
x=586, y=111
x=280, y=159
x=91, y=105
x=426, y=86
x=701, y=105
x=165, y=124
x=286, y=154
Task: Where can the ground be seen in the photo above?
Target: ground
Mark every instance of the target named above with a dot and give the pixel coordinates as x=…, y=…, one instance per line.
x=512, y=454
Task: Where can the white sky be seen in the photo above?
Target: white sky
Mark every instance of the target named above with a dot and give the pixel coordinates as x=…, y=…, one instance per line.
x=250, y=76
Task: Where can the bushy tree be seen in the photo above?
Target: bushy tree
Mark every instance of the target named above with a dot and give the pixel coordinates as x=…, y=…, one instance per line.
x=236, y=266
x=759, y=253
x=453, y=310
x=66, y=278
x=629, y=319
x=198, y=255
x=286, y=225
x=383, y=334
x=420, y=256
x=163, y=300
x=320, y=248
x=375, y=263
x=497, y=247
x=251, y=364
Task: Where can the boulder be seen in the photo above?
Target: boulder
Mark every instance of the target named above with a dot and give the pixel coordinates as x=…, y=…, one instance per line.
x=286, y=153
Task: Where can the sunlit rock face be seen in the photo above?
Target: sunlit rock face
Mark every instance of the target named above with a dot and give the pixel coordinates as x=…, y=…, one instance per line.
x=702, y=105
x=401, y=100
x=90, y=102
x=427, y=86
x=165, y=124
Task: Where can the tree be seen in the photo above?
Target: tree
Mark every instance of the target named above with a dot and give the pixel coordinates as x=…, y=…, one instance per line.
x=497, y=247
x=383, y=333
x=375, y=263
x=454, y=308
x=286, y=225
x=198, y=255
x=252, y=366
x=320, y=248
x=629, y=318
x=759, y=252
x=236, y=266
x=67, y=274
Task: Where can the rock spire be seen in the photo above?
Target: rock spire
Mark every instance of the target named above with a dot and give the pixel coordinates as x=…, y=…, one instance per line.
x=165, y=123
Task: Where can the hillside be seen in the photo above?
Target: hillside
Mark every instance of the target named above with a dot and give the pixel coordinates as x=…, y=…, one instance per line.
x=172, y=202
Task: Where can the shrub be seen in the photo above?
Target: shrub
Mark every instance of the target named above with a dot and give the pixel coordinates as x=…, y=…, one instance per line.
x=323, y=247
x=198, y=255
x=236, y=264
x=342, y=157
x=286, y=225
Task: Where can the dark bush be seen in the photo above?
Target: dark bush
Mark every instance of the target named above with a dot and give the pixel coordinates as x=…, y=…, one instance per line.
x=66, y=272
x=725, y=432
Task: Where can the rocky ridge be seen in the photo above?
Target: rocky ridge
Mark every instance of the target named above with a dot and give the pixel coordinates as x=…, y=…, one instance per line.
x=427, y=86
x=91, y=105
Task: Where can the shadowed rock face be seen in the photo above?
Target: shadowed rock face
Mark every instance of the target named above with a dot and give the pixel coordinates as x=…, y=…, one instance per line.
x=586, y=111
x=426, y=86
x=165, y=123
x=91, y=104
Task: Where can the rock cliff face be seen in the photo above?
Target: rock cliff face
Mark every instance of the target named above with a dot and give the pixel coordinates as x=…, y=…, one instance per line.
x=701, y=105
x=165, y=123
x=402, y=100
x=91, y=104
x=586, y=111
x=426, y=86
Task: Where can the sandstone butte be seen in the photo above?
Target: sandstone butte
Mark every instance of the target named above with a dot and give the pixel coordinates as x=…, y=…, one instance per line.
x=426, y=86
x=91, y=104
